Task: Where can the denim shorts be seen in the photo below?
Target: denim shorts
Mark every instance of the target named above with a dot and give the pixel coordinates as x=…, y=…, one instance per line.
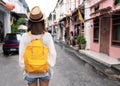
x=31, y=80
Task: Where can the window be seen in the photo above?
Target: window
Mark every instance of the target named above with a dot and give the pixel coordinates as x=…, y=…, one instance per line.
x=76, y=33
x=116, y=30
x=96, y=8
x=82, y=30
x=96, y=30
x=75, y=19
x=116, y=2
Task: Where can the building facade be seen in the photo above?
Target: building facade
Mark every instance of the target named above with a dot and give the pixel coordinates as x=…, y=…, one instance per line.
x=68, y=19
x=20, y=10
x=4, y=21
x=100, y=25
x=105, y=27
x=20, y=6
x=87, y=23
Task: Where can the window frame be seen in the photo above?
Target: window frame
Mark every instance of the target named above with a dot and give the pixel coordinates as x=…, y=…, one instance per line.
x=115, y=26
x=96, y=30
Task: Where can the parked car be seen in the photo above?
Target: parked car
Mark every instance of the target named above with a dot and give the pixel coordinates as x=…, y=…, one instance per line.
x=11, y=43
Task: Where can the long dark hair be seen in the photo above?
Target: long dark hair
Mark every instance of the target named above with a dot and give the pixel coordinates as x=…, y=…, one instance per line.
x=36, y=27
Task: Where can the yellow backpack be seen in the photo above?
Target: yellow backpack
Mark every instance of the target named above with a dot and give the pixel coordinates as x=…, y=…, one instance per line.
x=36, y=56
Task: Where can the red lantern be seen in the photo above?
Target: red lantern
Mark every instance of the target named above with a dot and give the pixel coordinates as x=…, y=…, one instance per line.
x=55, y=22
x=9, y=6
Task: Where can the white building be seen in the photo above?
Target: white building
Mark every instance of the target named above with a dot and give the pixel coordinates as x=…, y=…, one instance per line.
x=20, y=6
x=87, y=23
x=21, y=9
x=4, y=21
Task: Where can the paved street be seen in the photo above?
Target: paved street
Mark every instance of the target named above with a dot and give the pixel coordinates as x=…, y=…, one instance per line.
x=69, y=71
x=10, y=73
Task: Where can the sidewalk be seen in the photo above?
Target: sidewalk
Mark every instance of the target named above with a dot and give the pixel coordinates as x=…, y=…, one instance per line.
x=100, y=57
x=112, y=63
x=101, y=62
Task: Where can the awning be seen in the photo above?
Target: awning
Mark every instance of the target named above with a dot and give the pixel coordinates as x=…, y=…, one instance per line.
x=20, y=15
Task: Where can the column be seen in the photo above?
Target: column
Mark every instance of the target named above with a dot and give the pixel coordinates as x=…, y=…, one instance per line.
x=7, y=27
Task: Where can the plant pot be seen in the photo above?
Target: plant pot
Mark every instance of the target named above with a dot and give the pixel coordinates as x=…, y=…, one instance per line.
x=83, y=46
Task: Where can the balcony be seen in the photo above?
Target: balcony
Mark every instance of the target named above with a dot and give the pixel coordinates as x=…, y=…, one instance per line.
x=95, y=2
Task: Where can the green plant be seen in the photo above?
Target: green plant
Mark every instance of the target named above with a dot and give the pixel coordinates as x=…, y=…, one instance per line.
x=14, y=27
x=81, y=39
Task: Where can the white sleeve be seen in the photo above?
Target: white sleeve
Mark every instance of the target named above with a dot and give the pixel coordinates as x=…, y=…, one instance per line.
x=21, y=51
x=52, y=52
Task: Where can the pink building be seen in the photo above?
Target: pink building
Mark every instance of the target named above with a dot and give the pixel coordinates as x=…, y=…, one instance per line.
x=105, y=27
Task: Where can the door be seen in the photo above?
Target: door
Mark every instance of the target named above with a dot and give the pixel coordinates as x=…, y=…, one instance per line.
x=105, y=34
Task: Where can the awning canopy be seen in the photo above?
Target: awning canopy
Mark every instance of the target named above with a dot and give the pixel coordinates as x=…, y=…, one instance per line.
x=20, y=15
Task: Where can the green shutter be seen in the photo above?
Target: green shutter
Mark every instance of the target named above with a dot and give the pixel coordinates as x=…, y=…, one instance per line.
x=116, y=2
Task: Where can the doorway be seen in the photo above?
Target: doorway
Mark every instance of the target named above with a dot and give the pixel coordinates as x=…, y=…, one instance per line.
x=105, y=34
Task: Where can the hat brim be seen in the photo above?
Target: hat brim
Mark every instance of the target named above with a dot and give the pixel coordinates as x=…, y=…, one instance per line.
x=36, y=20
x=43, y=18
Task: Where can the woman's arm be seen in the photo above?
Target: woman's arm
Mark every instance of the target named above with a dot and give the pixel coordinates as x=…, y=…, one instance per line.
x=52, y=52
x=21, y=51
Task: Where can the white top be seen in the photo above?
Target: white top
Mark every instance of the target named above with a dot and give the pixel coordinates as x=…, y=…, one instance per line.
x=48, y=41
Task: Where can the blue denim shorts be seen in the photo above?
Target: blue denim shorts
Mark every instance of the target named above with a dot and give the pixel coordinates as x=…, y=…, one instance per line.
x=31, y=80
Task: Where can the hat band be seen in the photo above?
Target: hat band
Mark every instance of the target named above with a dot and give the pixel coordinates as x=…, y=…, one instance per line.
x=36, y=19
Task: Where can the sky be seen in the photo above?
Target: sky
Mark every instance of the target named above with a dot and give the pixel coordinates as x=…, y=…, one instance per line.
x=46, y=6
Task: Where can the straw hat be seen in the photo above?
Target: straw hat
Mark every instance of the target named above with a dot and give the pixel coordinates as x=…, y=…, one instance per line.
x=36, y=14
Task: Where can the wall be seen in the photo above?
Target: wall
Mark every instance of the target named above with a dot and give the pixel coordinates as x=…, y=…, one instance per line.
x=6, y=19
x=114, y=51
x=93, y=46
x=87, y=24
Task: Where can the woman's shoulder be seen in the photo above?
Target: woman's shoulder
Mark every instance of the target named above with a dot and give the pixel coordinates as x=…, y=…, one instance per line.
x=47, y=34
x=25, y=36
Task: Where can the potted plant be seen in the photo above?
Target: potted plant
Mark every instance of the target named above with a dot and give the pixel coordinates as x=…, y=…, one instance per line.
x=81, y=41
